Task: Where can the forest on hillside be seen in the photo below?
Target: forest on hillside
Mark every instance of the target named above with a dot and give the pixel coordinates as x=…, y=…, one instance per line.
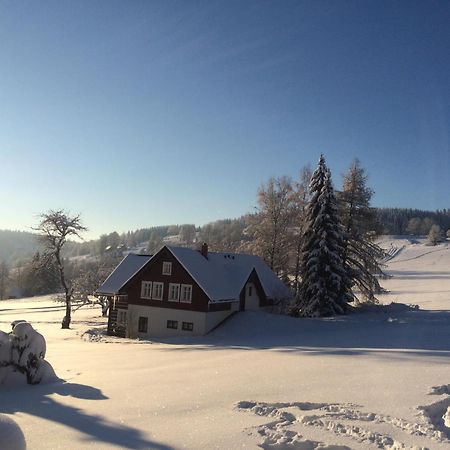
x=273, y=232
x=223, y=234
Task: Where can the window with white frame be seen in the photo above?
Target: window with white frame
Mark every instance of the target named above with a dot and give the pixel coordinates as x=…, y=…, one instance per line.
x=174, y=292
x=186, y=293
x=187, y=326
x=167, y=268
x=146, y=289
x=157, y=291
x=121, y=317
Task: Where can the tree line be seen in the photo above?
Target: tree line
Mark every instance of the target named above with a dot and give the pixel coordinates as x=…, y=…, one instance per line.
x=274, y=232
x=17, y=248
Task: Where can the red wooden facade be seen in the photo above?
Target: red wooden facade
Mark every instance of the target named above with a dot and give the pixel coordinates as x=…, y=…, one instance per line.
x=153, y=271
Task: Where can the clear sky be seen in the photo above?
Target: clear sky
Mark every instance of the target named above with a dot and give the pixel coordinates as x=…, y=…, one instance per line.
x=142, y=113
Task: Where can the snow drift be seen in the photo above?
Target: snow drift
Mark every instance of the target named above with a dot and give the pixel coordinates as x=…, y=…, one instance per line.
x=11, y=436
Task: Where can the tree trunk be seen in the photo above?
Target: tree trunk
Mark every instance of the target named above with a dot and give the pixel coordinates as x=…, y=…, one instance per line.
x=68, y=317
x=68, y=294
x=297, y=267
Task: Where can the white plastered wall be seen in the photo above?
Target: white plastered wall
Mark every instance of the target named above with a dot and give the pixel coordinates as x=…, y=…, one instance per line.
x=158, y=317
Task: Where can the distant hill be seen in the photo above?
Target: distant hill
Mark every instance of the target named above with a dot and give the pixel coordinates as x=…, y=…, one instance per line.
x=221, y=235
x=16, y=245
x=400, y=221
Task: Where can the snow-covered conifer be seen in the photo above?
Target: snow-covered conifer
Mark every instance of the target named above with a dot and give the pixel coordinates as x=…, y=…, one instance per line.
x=325, y=288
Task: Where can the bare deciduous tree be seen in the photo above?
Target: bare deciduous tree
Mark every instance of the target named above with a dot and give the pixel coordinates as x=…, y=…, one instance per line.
x=4, y=278
x=271, y=226
x=301, y=198
x=54, y=228
x=361, y=253
x=434, y=235
x=87, y=282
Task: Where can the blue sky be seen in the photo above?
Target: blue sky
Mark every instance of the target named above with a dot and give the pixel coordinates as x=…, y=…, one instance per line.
x=141, y=113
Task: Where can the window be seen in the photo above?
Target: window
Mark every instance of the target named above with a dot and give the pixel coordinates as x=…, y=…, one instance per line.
x=167, y=268
x=157, y=292
x=146, y=289
x=143, y=324
x=250, y=291
x=121, y=317
x=186, y=293
x=174, y=292
x=172, y=324
x=188, y=326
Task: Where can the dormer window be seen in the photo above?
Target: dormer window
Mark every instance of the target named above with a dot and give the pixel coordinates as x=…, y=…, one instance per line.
x=167, y=268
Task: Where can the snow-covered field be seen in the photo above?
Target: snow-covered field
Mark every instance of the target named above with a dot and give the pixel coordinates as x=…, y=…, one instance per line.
x=372, y=380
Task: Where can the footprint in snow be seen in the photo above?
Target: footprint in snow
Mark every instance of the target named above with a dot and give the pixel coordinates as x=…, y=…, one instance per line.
x=345, y=420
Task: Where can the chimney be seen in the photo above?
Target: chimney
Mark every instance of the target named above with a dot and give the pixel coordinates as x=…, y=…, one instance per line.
x=204, y=250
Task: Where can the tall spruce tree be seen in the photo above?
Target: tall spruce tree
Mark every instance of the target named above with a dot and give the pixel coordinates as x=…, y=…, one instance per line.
x=325, y=288
x=362, y=254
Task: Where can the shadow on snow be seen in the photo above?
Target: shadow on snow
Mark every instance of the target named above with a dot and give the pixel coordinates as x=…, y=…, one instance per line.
x=40, y=401
x=400, y=330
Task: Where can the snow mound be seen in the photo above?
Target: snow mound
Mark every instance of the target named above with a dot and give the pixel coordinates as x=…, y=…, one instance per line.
x=22, y=355
x=11, y=436
x=446, y=418
x=437, y=415
x=392, y=307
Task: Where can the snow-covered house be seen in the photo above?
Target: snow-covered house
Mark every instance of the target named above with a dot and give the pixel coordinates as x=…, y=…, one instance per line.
x=180, y=291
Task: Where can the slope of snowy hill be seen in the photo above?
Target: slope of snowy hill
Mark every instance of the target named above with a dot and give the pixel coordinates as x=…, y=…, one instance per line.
x=378, y=379
x=420, y=273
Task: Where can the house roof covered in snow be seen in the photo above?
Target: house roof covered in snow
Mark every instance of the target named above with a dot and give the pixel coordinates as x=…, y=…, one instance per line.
x=126, y=269
x=223, y=275
x=220, y=275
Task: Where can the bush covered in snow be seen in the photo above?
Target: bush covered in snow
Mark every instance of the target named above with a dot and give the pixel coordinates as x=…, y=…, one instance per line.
x=22, y=354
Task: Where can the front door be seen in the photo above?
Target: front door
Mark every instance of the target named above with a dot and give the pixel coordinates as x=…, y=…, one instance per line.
x=143, y=325
x=251, y=297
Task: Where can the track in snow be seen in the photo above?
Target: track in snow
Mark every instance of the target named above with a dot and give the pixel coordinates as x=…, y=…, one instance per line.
x=345, y=420
x=419, y=256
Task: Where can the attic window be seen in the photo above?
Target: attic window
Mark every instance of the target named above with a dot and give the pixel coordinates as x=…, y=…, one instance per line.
x=167, y=268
